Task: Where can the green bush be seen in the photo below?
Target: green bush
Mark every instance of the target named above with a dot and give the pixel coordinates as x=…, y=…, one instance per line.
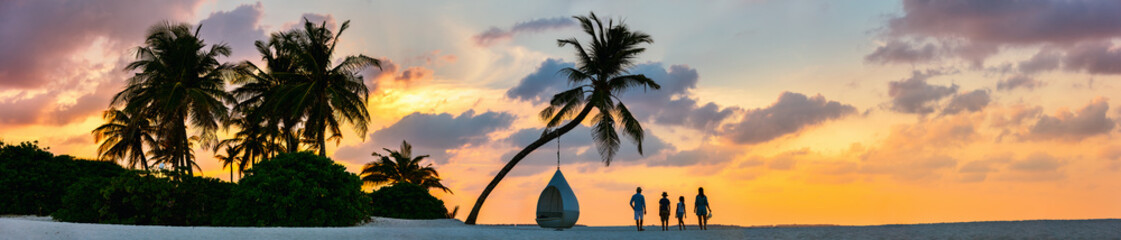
x=202, y=200
x=82, y=201
x=299, y=189
x=146, y=200
x=408, y=201
x=34, y=181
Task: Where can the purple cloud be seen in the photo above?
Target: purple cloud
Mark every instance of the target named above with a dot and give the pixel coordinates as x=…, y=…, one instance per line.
x=1012, y=22
x=40, y=36
x=431, y=134
x=902, y=52
x=495, y=34
x=1096, y=58
x=1090, y=120
x=971, y=102
x=1018, y=81
x=914, y=95
x=238, y=28
x=790, y=114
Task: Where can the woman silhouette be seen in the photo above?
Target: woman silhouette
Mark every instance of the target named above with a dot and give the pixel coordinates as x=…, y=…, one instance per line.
x=700, y=206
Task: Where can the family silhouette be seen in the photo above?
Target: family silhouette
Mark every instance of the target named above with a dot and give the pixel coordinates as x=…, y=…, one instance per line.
x=701, y=208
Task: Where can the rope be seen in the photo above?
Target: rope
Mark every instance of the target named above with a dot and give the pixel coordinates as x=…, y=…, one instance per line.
x=558, y=152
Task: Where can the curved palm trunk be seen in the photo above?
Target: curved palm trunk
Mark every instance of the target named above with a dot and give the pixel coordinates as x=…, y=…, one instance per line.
x=518, y=158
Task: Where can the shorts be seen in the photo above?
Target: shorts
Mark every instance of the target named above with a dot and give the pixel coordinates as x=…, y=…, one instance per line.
x=638, y=214
x=702, y=212
x=664, y=215
x=680, y=214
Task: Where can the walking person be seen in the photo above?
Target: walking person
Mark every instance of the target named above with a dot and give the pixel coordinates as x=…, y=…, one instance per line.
x=638, y=203
x=700, y=206
x=663, y=211
x=681, y=213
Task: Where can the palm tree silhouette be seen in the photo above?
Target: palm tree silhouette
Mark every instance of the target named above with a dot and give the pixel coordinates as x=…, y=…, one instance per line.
x=600, y=76
x=230, y=160
x=401, y=166
x=253, y=142
x=123, y=137
x=178, y=81
x=260, y=85
x=319, y=94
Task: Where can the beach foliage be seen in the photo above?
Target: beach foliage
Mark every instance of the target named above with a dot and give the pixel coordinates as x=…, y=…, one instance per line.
x=146, y=199
x=408, y=201
x=33, y=181
x=397, y=166
x=178, y=83
x=297, y=189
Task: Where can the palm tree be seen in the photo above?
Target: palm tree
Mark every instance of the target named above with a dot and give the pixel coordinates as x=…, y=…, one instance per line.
x=319, y=94
x=229, y=160
x=401, y=166
x=260, y=85
x=123, y=137
x=178, y=80
x=254, y=141
x=600, y=76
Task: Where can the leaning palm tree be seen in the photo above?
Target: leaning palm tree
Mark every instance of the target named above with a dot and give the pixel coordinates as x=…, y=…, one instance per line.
x=401, y=166
x=178, y=82
x=123, y=137
x=600, y=76
x=320, y=94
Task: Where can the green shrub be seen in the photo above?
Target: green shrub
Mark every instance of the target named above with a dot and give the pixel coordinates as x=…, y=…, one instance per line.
x=202, y=200
x=34, y=181
x=82, y=201
x=146, y=200
x=408, y=201
x=138, y=200
x=299, y=189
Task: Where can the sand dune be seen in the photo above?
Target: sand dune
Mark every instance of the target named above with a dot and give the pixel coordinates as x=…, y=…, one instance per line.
x=30, y=227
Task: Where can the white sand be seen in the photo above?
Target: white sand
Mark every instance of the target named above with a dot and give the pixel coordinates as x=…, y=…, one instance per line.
x=30, y=227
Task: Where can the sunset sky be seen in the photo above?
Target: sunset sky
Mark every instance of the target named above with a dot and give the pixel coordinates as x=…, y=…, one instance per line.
x=786, y=112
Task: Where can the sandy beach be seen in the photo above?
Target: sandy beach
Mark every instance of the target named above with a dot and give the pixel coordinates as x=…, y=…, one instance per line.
x=33, y=227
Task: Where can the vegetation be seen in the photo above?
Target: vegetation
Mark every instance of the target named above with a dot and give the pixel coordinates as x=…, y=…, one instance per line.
x=401, y=167
x=146, y=200
x=301, y=87
x=178, y=80
x=600, y=76
x=124, y=137
x=297, y=102
x=34, y=181
x=297, y=189
x=408, y=201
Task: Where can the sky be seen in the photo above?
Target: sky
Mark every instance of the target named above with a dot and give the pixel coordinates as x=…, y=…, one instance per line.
x=786, y=112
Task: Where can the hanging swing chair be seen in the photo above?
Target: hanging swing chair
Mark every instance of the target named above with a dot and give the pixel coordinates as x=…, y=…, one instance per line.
x=557, y=207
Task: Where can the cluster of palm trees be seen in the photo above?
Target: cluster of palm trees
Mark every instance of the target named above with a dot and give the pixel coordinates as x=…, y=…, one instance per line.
x=296, y=102
x=300, y=99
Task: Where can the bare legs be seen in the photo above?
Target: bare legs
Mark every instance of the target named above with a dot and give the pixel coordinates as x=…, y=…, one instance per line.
x=702, y=222
x=680, y=224
x=665, y=224
x=638, y=223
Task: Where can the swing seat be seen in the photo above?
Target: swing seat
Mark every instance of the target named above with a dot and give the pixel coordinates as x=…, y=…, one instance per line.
x=557, y=206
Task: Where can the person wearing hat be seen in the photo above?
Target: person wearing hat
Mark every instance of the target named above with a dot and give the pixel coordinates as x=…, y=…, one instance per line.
x=663, y=211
